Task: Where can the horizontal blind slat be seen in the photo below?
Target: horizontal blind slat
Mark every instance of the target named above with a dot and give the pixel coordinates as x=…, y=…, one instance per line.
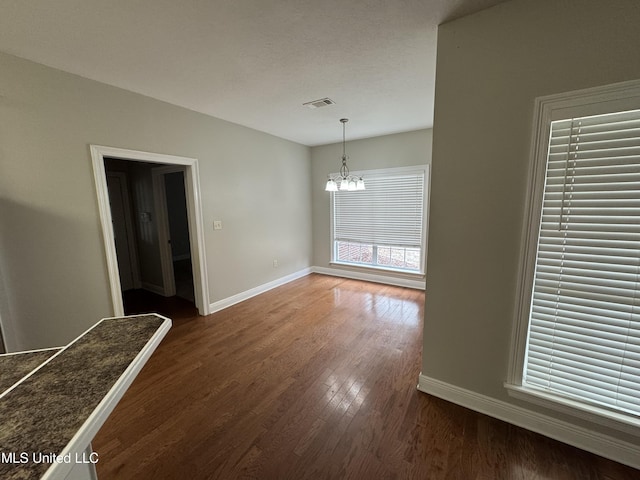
x=584, y=334
x=389, y=211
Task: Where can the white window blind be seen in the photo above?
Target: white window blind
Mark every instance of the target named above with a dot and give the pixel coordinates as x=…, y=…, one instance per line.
x=388, y=212
x=584, y=331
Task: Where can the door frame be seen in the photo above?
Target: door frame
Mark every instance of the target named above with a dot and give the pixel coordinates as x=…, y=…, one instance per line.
x=194, y=214
x=162, y=225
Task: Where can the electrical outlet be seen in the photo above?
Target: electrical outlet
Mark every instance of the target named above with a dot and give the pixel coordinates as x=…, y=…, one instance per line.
x=217, y=224
x=275, y=263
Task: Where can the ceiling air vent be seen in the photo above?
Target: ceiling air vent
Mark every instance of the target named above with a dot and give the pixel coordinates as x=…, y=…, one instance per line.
x=323, y=102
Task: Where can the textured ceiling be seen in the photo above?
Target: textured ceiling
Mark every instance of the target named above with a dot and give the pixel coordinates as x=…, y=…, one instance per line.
x=251, y=62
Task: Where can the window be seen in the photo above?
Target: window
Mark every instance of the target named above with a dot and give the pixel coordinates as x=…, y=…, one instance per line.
x=581, y=345
x=382, y=226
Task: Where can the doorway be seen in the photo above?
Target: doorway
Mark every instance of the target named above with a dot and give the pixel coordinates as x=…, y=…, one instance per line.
x=152, y=196
x=145, y=224
x=123, y=231
x=179, y=234
x=173, y=231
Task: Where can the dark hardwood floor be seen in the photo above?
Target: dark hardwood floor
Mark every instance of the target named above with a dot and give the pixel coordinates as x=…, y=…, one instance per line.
x=143, y=301
x=315, y=379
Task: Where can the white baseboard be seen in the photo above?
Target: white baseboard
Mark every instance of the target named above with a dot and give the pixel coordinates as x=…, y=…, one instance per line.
x=239, y=297
x=606, y=446
x=371, y=277
x=153, y=288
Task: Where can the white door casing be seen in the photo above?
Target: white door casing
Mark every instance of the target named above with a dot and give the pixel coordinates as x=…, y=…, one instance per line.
x=194, y=212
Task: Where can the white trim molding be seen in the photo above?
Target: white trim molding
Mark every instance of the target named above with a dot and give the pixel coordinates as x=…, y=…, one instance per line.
x=583, y=438
x=371, y=277
x=546, y=109
x=594, y=414
x=242, y=296
x=246, y=295
x=592, y=101
x=194, y=212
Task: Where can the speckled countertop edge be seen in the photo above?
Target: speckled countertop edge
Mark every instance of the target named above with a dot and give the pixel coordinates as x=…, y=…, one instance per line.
x=43, y=412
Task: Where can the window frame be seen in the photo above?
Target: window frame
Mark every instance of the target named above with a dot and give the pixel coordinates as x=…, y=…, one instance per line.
x=424, y=169
x=592, y=101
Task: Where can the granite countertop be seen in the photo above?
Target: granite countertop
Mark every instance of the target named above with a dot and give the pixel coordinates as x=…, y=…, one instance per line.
x=44, y=411
x=15, y=366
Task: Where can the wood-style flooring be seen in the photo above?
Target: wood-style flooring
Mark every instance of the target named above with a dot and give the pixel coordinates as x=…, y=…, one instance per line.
x=314, y=380
x=143, y=301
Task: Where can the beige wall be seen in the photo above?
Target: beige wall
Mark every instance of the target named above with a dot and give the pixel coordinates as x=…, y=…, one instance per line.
x=52, y=261
x=388, y=151
x=490, y=68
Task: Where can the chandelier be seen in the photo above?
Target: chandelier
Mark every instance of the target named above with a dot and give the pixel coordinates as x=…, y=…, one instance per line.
x=344, y=180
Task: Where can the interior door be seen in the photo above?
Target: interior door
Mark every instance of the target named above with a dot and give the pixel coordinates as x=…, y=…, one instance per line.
x=116, y=184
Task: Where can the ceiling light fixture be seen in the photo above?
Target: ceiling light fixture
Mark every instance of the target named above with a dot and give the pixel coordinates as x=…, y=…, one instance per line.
x=344, y=180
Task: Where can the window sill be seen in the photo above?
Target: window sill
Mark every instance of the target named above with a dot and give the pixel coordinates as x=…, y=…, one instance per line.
x=618, y=421
x=374, y=268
